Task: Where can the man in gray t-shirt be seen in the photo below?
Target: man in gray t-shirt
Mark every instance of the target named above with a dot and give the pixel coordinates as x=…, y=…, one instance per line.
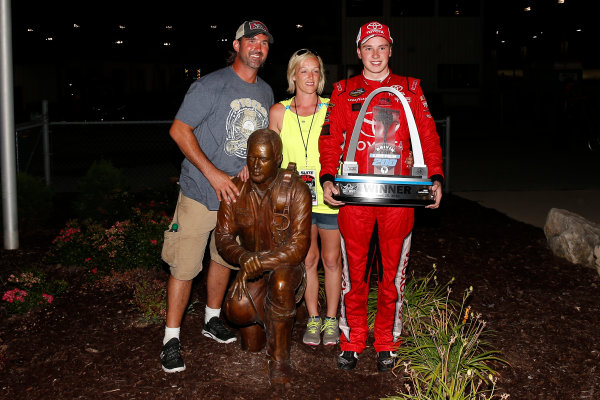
x=225, y=110
x=218, y=114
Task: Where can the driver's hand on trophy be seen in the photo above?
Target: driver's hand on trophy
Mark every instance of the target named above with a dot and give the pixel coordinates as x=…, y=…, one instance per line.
x=250, y=264
x=436, y=191
x=409, y=160
x=239, y=286
x=329, y=189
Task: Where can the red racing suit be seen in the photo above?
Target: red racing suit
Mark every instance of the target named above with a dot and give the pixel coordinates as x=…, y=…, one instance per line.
x=357, y=222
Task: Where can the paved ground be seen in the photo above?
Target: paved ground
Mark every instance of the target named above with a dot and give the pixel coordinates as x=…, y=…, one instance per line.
x=522, y=171
x=532, y=207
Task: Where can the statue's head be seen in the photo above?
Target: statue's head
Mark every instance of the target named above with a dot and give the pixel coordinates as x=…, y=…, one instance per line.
x=264, y=156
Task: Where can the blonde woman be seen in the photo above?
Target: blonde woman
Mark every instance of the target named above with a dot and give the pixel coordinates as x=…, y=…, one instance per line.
x=298, y=120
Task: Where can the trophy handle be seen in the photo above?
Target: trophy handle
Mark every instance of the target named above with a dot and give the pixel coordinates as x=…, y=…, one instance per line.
x=419, y=167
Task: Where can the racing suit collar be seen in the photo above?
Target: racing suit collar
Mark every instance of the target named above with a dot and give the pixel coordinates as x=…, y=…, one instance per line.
x=375, y=83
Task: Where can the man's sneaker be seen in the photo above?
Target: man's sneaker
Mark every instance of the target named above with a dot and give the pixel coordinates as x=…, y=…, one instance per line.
x=216, y=329
x=347, y=360
x=331, y=331
x=312, y=336
x=170, y=356
x=386, y=361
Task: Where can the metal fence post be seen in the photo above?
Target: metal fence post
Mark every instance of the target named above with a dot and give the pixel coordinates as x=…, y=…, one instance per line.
x=7, y=132
x=46, y=141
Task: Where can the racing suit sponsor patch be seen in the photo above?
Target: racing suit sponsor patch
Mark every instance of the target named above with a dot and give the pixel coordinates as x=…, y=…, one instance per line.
x=384, y=101
x=356, y=92
x=356, y=106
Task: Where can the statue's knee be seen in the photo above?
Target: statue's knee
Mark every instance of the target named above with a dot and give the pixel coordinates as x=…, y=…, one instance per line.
x=250, y=307
x=283, y=284
x=283, y=280
x=239, y=312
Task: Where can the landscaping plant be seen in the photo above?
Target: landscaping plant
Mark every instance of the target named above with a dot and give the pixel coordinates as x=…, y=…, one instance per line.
x=102, y=193
x=30, y=289
x=444, y=352
x=73, y=246
x=148, y=290
x=132, y=243
x=34, y=202
x=150, y=297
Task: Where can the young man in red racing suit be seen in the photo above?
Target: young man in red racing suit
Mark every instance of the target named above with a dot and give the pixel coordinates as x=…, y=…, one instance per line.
x=357, y=222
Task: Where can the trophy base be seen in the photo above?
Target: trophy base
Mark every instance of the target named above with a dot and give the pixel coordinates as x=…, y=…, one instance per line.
x=384, y=190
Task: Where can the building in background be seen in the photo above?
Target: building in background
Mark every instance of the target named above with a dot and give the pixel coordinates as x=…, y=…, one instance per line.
x=514, y=59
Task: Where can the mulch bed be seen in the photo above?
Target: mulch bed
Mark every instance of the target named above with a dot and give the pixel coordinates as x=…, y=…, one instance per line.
x=543, y=311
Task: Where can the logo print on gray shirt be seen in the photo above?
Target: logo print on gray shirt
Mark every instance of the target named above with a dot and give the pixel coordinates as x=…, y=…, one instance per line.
x=246, y=116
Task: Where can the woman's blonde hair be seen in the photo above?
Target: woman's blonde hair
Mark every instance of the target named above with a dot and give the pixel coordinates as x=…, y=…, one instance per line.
x=293, y=64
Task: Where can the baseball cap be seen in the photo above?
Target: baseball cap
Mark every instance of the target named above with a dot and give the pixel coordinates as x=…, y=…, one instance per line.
x=372, y=29
x=252, y=28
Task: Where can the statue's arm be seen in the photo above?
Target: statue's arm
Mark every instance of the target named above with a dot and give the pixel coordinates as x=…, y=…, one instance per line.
x=295, y=250
x=226, y=232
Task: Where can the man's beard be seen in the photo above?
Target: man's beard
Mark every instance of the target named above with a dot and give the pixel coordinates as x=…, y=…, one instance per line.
x=252, y=63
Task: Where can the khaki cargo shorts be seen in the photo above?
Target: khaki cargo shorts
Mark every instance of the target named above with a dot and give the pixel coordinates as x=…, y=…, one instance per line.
x=184, y=250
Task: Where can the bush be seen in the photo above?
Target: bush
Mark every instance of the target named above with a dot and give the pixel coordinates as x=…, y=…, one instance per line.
x=74, y=244
x=129, y=244
x=29, y=290
x=34, y=202
x=133, y=243
x=103, y=194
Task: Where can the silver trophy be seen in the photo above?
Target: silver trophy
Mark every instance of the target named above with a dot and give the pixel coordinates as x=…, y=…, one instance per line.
x=384, y=183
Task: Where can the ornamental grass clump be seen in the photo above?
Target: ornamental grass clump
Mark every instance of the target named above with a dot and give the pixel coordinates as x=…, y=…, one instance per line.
x=444, y=352
x=30, y=289
x=421, y=297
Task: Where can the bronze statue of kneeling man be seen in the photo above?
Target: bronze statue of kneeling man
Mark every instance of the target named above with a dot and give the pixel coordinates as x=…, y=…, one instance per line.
x=267, y=233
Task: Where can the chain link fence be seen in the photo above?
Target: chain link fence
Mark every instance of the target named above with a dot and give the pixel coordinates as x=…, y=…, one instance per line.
x=143, y=150
x=62, y=152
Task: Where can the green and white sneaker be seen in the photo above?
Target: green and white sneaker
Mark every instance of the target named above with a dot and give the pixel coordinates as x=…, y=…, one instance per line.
x=331, y=331
x=312, y=336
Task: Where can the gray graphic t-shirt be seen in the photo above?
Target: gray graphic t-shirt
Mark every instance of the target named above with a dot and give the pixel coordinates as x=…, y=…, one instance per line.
x=224, y=110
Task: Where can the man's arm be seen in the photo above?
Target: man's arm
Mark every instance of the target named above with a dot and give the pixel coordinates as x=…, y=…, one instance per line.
x=183, y=135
